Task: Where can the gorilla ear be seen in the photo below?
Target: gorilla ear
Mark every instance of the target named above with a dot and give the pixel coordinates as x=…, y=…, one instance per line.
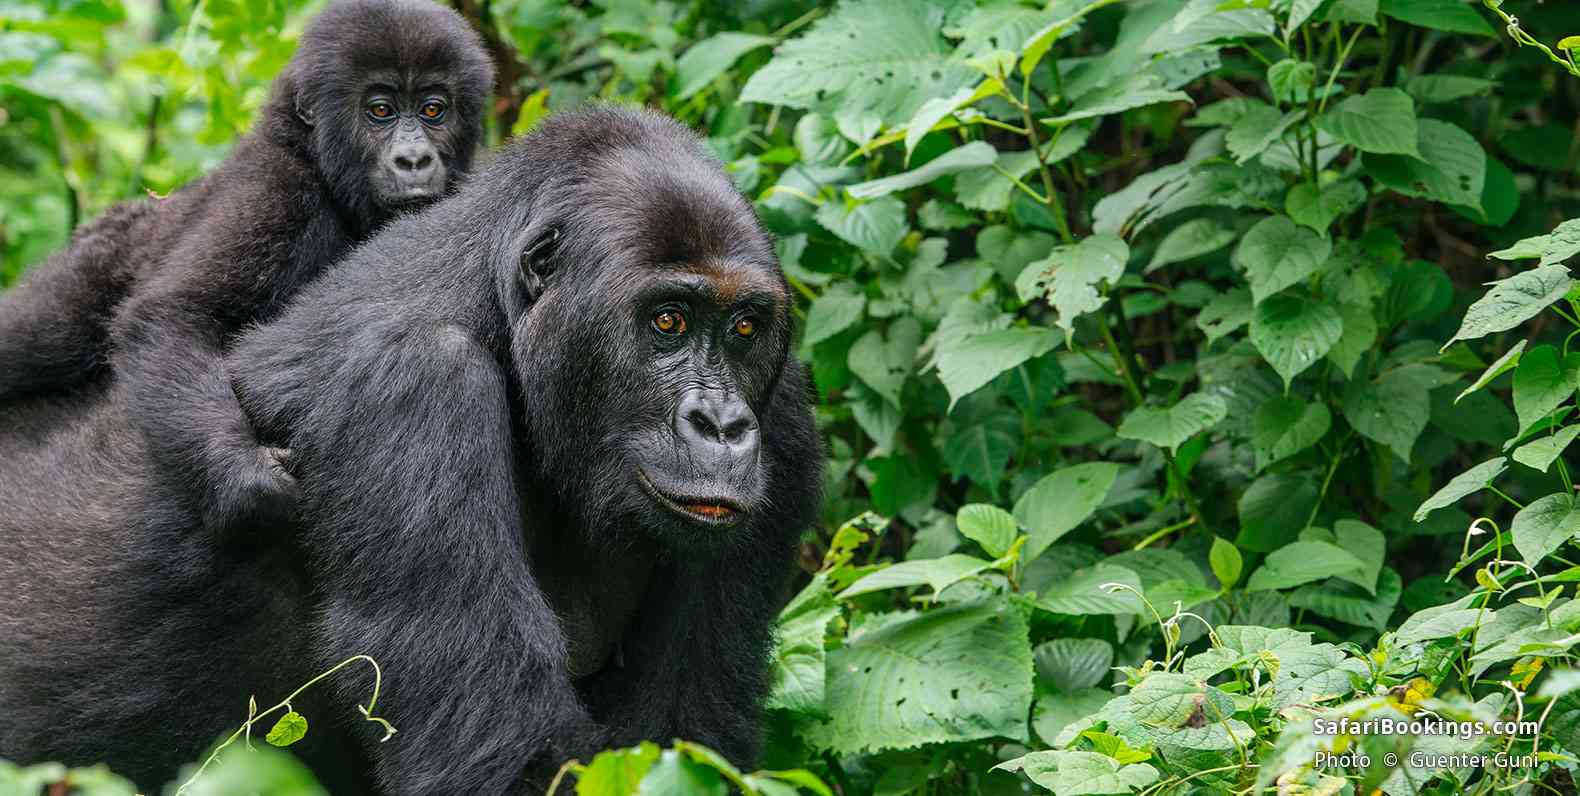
x=303, y=112
x=537, y=262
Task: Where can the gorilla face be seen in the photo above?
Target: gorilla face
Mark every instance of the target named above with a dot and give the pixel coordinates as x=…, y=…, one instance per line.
x=407, y=145
x=666, y=383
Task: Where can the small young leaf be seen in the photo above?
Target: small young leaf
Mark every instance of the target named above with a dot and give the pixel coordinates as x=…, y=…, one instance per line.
x=1226, y=563
x=291, y=727
x=1500, y=366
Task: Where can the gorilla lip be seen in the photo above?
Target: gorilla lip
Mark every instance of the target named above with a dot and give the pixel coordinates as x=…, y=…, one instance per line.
x=708, y=510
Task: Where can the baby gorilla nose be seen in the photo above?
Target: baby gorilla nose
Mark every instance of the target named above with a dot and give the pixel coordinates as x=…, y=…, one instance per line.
x=717, y=427
x=412, y=169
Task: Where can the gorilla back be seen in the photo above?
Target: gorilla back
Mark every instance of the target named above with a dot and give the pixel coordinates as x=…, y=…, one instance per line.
x=553, y=486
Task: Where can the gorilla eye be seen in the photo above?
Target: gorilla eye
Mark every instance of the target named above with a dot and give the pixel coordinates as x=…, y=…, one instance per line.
x=432, y=110
x=381, y=110
x=670, y=322
x=746, y=327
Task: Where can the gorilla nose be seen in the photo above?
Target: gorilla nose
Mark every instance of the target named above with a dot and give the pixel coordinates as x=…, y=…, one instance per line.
x=413, y=161
x=717, y=424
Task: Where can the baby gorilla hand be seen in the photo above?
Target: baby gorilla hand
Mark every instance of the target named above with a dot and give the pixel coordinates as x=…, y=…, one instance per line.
x=256, y=491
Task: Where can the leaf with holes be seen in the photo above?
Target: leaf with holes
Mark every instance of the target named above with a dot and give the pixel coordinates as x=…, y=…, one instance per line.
x=1070, y=276
x=1225, y=313
x=1451, y=167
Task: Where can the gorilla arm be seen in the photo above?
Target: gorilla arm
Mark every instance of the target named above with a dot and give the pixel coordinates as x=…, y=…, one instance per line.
x=413, y=529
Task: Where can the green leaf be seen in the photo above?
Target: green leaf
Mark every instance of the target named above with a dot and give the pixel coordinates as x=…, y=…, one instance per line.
x=1225, y=313
x=938, y=214
x=1393, y=409
x=831, y=313
x=990, y=188
x=876, y=226
x=289, y=729
x=1435, y=89
x=1360, y=331
x=1381, y=121
x=711, y=57
x=1082, y=773
x=1060, y=501
x=1285, y=426
x=989, y=526
x=1170, y=428
x=966, y=364
x=618, y=771
x=1010, y=250
x=970, y=156
x=934, y=111
x=958, y=673
x=901, y=62
x=981, y=451
x=1362, y=11
x=1451, y=166
x=1070, y=275
x=798, y=660
x=884, y=361
x=1072, y=664
x=1226, y=563
x=1291, y=80
x=1540, y=453
x=1317, y=208
x=1555, y=247
x=1368, y=545
x=1056, y=710
x=1259, y=128
x=1467, y=483
x=1513, y=301
x=1350, y=604
x=1502, y=365
x=1273, y=509
x=1542, y=382
x=937, y=573
x=1138, y=91
x=1086, y=592
x=1544, y=525
x=1190, y=240
x=678, y=775
x=1293, y=332
x=1276, y=254
x=1303, y=562
x=1449, y=15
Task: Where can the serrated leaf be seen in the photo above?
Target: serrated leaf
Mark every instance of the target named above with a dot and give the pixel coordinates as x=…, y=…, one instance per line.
x=933, y=111
x=1285, y=426
x=1171, y=427
x=936, y=573
x=1381, y=121
x=1350, y=604
x=1138, y=91
x=1540, y=453
x=1062, y=500
x=797, y=673
x=981, y=451
x=831, y=313
x=970, y=156
x=1069, y=277
x=1467, y=483
x=1293, y=332
x=1257, y=129
x=989, y=526
x=1291, y=80
x=1276, y=254
x=1513, y=301
x=1544, y=525
x=968, y=363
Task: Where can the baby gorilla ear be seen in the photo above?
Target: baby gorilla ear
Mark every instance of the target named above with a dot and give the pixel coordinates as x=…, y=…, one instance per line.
x=537, y=262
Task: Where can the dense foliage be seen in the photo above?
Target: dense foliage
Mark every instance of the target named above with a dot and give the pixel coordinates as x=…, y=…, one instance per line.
x=1161, y=361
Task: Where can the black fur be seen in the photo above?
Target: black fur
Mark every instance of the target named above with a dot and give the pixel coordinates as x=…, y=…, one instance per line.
x=467, y=420
x=155, y=291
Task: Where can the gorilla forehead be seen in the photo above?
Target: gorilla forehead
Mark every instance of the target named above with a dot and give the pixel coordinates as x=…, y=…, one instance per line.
x=408, y=38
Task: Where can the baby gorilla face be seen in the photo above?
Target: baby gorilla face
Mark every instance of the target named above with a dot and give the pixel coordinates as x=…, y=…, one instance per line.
x=407, y=142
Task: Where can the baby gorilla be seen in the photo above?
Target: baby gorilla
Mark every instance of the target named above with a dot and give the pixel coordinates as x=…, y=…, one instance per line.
x=380, y=110
x=554, y=486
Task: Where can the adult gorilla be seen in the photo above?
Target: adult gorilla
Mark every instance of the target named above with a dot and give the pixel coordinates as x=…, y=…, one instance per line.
x=553, y=487
x=379, y=111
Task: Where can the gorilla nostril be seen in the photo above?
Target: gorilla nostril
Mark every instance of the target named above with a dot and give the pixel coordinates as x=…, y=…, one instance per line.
x=417, y=163
x=704, y=425
x=735, y=431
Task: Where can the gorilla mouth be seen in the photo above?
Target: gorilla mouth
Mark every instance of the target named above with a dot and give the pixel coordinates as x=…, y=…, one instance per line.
x=716, y=511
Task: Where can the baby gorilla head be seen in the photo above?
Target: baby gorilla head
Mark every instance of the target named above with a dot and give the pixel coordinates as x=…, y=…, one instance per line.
x=658, y=406
x=393, y=92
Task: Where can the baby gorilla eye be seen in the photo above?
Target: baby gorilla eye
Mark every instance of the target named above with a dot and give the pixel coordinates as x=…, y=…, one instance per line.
x=381, y=110
x=432, y=110
x=746, y=326
x=669, y=322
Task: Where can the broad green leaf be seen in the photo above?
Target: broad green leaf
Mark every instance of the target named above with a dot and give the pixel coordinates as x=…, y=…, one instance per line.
x=1225, y=313
x=1303, y=562
x=1291, y=80
x=1360, y=331
x=966, y=364
x=675, y=774
x=933, y=111
x=817, y=140
x=1276, y=254
x=1542, y=382
x=938, y=214
x=1351, y=604
x=1319, y=208
x=1273, y=510
x=1259, y=128
x=831, y=313
x=1190, y=240
x=1285, y=426
x=617, y=771
x=1540, y=453
x=973, y=155
x=1226, y=563
x=1381, y=121
x=1450, y=15
x=936, y=573
x=1513, y=301
x=711, y=57
x=1069, y=277
x=1081, y=773
x=1368, y=545
x=876, y=226
x=1434, y=89
x=1467, y=483
x=1171, y=427
x=990, y=188
x=901, y=62
x=1392, y=410
x=1555, y=247
x=1450, y=167
x=1071, y=664
x=989, y=526
x=1056, y=710
x=958, y=673
x=1062, y=500
x=1009, y=250
x=1087, y=592
x=799, y=657
x=1500, y=366
x=883, y=361
x=1138, y=91
x=1293, y=332
x=1544, y=525
x=289, y=729
x=1362, y=11
x=981, y=451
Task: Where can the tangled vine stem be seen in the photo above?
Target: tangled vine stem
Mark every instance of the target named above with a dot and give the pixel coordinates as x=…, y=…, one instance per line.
x=1512, y=25
x=253, y=716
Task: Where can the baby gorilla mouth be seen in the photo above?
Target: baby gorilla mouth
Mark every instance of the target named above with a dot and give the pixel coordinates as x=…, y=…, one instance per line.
x=716, y=511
